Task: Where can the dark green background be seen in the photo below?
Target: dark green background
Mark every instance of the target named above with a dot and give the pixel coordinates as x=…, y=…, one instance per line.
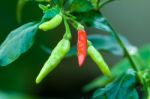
x=129, y=17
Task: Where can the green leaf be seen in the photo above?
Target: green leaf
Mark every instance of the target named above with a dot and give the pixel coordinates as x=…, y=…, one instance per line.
x=14, y=95
x=79, y=5
x=94, y=19
x=58, y=2
x=109, y=43
x=41, y=0
x=101, y=81
x=121, y=88
x=101, y=42
x=142, y=58
x=43, y=7
x=50, y=13
x=95, y=3
x=17, y=42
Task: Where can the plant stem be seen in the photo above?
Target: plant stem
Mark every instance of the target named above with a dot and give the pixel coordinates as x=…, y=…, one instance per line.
x=68, y=32
x=122, y=45
x=126, y=52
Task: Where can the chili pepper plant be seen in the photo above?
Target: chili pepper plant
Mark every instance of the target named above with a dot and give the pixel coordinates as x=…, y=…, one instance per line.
x=121, y=81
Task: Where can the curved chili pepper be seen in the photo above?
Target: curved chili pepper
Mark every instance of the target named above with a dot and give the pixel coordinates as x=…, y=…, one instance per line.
x=98, y=59
x=81, y=46
x=55, y=58
x=51, y=24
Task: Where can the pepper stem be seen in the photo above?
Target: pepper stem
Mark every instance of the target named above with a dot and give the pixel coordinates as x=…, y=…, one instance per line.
x=67, y=34
x=122, y=45
x=76, y=24
x=89, y=43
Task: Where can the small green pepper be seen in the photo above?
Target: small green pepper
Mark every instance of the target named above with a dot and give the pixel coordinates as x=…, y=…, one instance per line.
x=98, y=59
x=51, y=24
x=55, y=58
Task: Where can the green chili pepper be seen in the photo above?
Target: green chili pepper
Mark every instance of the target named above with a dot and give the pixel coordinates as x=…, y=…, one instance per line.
x=51, y=24
x=55, y=58
x=98, y=59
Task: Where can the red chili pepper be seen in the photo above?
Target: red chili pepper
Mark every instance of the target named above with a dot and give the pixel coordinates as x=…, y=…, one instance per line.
x=82, y=46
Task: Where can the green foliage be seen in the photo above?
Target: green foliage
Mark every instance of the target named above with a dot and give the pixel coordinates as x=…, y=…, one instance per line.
x=17, y=42
x=101, y=81
x=4, y=95
x=80, y=5
x=94, y=19
x=59, y=2
x=43, y=7
x=142, y=57
x=50, y=13
x=121, y=88
x=109, y=43
x=87, y=12
x=95, y=3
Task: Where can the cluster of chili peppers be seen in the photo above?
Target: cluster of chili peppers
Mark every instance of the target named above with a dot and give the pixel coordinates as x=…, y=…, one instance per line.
x=92, y=52
x=84, y=47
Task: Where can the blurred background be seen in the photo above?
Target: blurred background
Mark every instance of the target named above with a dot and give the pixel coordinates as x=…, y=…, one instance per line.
x=129, y=17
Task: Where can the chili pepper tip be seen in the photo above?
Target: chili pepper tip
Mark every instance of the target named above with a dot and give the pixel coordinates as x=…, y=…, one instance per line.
x=81, y=59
